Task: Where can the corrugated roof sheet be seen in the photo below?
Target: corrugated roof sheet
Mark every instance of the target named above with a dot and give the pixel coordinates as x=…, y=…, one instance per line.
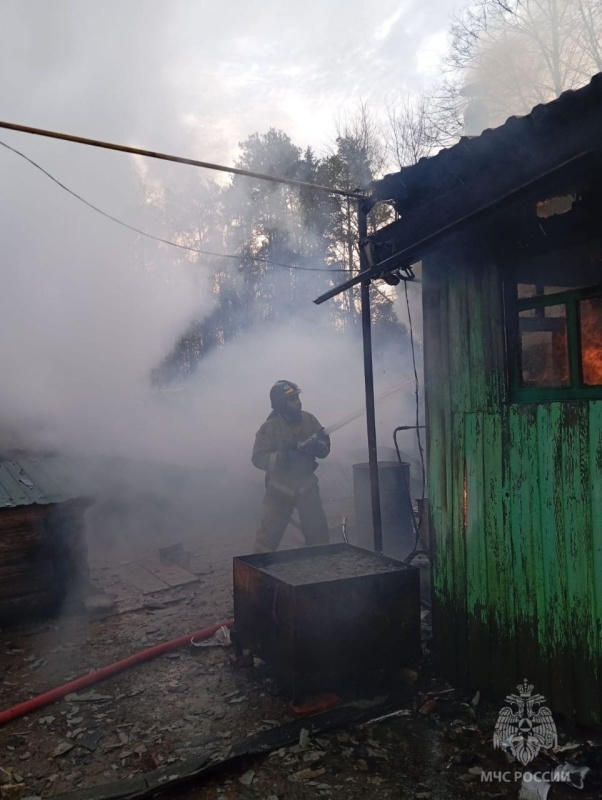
x=521, y=146
x=42, y=480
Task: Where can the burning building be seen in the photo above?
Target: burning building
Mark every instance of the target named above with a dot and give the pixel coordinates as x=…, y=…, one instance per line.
x=508, y=227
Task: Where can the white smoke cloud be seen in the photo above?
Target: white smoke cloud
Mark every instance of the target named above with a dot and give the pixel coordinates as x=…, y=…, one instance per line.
x=188, y=77
x=88, y=309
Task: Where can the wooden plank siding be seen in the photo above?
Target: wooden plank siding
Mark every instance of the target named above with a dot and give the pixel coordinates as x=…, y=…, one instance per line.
x=525, y=526
x=579, y=546
x=515, y=499
x=439, y=455
x=595, y=489
x=457, y=338
x=477, y=579
x=554, y=563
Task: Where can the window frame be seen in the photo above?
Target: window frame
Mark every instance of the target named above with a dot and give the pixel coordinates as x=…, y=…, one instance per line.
x=570, y=298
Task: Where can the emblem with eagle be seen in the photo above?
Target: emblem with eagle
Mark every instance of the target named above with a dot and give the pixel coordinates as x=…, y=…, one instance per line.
x=525, y=726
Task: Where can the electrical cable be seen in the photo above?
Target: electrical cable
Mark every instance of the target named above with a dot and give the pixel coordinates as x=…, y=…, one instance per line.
x=257, y=259
x=138, y=151
x=416, y=524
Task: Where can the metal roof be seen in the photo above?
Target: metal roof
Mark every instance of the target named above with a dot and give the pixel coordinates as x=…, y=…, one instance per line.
x=522, y=146
x=558, y=144
x=41, y=480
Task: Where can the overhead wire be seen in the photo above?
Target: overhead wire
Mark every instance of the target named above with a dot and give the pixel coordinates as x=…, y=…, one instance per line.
x=416, y=523
x=247, y=257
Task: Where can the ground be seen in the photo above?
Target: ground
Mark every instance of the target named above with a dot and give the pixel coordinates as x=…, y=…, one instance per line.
x=192, y=700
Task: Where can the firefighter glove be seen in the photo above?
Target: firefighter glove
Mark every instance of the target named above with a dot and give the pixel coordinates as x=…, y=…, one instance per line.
x=317, y=445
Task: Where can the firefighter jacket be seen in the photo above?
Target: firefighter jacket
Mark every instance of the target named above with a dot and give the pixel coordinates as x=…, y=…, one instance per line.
x=287, y=470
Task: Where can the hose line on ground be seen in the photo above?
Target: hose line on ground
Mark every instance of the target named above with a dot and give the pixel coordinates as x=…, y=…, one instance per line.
x=21, y=709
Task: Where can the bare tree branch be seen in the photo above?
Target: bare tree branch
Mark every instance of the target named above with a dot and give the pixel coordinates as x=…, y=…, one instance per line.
x=510, y=55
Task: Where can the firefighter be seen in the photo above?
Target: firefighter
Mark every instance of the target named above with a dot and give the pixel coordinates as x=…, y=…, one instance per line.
x=286, y=448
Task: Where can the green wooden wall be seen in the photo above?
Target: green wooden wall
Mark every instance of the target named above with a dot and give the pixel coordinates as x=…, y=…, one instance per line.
x=515, y=495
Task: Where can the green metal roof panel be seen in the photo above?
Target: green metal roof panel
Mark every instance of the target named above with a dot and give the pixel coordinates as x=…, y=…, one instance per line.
x=43, y=480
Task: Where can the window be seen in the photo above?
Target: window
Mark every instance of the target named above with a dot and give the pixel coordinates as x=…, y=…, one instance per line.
x=590, y=321
x=554, y=326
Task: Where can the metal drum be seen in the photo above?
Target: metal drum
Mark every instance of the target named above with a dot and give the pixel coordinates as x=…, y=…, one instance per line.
x=395, y=507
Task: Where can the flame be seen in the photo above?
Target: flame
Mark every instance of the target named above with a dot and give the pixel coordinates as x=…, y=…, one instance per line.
x=591, y=340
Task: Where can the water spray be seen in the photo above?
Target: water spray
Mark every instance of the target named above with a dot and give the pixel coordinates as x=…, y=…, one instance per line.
x=309, y=445
x=350, y=417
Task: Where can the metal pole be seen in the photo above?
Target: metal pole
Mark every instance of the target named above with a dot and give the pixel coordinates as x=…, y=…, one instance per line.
x=138, y=151
x=362, y=222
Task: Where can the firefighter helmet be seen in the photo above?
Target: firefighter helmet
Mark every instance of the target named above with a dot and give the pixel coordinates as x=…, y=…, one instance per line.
x=281, y=391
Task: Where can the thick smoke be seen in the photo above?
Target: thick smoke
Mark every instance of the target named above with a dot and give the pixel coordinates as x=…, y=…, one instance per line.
x=88, y=309
x=186, y=77
x=90, y=317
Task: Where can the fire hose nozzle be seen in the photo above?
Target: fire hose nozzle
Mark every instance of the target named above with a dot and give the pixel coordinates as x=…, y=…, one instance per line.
x=313, y=443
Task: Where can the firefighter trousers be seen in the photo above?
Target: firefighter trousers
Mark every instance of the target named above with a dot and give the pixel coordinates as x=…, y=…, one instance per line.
x=277, y=511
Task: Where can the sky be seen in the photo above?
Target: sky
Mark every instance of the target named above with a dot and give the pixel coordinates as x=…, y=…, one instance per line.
x=197, y=77
x=87, y=309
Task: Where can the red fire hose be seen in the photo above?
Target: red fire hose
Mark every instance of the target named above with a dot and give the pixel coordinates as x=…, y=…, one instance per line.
x=21, y=709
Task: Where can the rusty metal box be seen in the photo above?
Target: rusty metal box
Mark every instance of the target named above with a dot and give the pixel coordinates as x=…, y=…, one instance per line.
x=329, y=616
